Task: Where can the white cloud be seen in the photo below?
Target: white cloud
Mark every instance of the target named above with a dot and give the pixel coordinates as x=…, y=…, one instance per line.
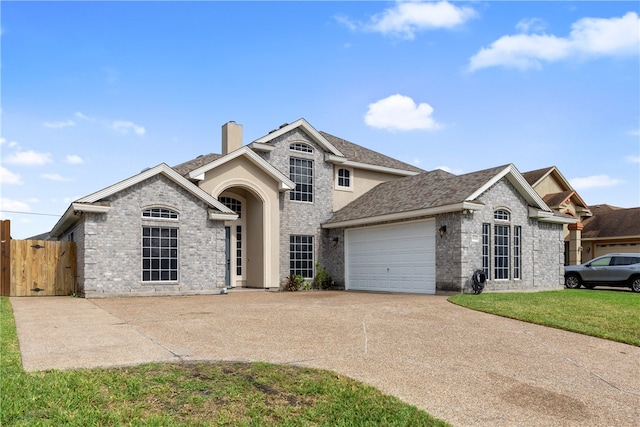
x=594, y=181
x=10, y=144
x=13, y=205
x=83, y=117
x=589, y=38
x=407, y=18
x=59, y=125
x=399, y=112
x=633, y=159
x=74, y=159
x=455, y=171
x=8, y=177
x=635, y=132
x=28, y=158
x=55, y=177
x=528, y=25
x=125, y=127
x=120, y=126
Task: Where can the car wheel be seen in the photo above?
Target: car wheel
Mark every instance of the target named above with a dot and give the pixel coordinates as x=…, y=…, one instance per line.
x=572, y=281
x=635, y=284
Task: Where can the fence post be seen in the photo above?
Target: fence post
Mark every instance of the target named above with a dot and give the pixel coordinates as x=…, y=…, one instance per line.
x=5, y=263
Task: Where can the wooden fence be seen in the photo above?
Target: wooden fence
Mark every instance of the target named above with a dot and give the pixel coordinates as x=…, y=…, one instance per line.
x=38, y=268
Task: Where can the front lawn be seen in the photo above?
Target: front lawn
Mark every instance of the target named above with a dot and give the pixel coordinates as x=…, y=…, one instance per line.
x=189, y=394
x=609, y=314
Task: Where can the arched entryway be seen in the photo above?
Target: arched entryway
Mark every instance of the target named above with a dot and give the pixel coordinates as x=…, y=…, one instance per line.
x=244, y=238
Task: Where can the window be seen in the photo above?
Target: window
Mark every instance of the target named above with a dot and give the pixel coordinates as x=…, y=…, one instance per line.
x=601, y=262
x=301, y=173
x=233, y=204
x=238, y=250
x=160, y=213
x=501, y=251
x=486, y=257
x=303, y=148
x=501, y=215
x=517, y=237
x=159, y=254
x=344, y=178
x=301, y=255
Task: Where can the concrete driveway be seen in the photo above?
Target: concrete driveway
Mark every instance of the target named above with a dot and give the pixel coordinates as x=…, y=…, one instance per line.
x=469, y=368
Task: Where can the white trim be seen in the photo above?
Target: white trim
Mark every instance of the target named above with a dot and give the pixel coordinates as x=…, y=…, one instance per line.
x=284, y=183
x=165, y=170
x=81, y=207
x=85, y=204
x=336, y=185
x=257, y=146
x=366, y=166
x=545, y=216
x=405, y=215
x=308, y=129
x=607, y=238
x=215, y=215
x=517, y=180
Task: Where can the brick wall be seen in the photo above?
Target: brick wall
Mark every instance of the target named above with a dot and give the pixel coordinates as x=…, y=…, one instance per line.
x=303, y=217
x=111, y=244
x=541, y=245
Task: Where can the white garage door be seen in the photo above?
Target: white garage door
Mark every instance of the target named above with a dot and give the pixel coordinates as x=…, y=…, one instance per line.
x=392, y=258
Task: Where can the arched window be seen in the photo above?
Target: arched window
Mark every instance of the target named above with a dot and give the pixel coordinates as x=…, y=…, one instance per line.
x=502, y=215
x=506, y=252
x=159, y=213
x=233, y=204
x=301, y=147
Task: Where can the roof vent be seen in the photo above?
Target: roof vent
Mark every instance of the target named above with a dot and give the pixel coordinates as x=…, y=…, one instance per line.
x=283, y=125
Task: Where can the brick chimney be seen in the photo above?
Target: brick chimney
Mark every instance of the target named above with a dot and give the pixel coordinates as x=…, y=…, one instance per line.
x=231, y=137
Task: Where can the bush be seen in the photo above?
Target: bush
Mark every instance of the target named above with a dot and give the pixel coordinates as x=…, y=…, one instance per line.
x=322, y=279
x=294, y=282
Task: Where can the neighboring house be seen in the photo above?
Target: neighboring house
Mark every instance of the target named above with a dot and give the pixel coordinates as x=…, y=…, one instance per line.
x=560, y=196
x=297, y=198
x=611, y=229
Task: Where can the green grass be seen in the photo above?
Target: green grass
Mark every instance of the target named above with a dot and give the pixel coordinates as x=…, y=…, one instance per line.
x=189, y=394
x=613, y=315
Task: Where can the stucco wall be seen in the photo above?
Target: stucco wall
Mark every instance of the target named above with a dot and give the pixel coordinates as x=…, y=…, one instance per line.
x=112, y=244
x=363, y=181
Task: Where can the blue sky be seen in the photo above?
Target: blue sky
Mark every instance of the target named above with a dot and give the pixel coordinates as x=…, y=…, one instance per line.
x=94, y=92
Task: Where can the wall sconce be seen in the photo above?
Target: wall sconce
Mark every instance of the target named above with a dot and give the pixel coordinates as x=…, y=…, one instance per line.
x=335, y=240
x=442, y=230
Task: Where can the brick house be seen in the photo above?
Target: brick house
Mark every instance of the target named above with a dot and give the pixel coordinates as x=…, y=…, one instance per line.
x=297, y=198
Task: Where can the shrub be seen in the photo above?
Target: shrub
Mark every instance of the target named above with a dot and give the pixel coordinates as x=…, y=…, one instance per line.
x=294, y=282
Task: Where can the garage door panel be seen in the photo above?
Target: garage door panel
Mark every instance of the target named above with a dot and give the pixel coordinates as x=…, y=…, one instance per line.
x=393, y=258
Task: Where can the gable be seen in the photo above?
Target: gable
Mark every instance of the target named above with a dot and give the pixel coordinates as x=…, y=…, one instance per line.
x=433, y=193
x=304, y=126
x=98, y=202
x=284, y=183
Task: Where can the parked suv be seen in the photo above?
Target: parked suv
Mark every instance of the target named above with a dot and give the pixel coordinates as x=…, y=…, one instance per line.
x=606, y=270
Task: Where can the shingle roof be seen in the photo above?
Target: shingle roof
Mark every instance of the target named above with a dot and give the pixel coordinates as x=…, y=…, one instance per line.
x=534, y=176
x=191, y=165
x=353, y=152
x=611, y=221
x=358, y=153
x=422, y=191
x=555, y=199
